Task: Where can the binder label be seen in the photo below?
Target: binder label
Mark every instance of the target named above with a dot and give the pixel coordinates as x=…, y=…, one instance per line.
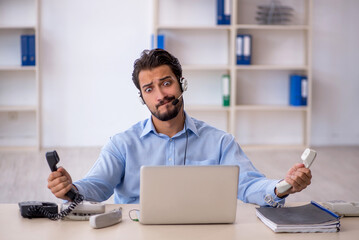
x=247, y=46
x=239, y=45
x=227, y=7
x=304, y=88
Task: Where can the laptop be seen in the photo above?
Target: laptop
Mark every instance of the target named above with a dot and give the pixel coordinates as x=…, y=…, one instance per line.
x=188, y=194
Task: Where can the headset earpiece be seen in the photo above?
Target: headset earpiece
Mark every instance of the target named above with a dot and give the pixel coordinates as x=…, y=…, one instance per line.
x=184, y=84
x=141, y=99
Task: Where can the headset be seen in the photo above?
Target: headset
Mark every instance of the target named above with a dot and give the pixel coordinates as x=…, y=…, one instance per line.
x=183, y=85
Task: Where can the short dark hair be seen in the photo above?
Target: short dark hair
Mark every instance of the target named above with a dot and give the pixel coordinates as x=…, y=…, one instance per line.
x=151, y=59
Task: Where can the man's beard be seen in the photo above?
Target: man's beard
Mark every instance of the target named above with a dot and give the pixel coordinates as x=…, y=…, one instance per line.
x=169, y=114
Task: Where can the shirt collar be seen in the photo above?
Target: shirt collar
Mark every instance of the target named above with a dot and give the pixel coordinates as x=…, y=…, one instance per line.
x=190, y=124
x=149, y=127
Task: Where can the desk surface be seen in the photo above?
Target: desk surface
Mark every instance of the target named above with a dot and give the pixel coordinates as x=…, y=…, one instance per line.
x=247, y=226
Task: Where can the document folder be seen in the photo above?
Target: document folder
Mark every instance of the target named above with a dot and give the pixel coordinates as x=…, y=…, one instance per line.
x=307, y=218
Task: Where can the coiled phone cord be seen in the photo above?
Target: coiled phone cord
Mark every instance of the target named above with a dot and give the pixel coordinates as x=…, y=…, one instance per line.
x=56, y=216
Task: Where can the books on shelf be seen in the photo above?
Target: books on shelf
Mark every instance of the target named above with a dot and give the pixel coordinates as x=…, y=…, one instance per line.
x=244, y=49
x=223, y=12
x=226, y=90
x=28, y=56
x=298, y=90
x=160, y=41
x=311, y=217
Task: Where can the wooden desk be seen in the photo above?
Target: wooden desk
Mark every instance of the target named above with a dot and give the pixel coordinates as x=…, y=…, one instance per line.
x=247, y=226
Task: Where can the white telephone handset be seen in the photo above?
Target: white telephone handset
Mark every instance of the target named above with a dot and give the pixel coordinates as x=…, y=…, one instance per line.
x=308, y=157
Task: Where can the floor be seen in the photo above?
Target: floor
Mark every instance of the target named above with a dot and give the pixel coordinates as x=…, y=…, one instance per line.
x=335, y=172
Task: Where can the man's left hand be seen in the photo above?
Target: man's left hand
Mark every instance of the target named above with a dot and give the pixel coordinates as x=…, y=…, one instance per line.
x=299, y=177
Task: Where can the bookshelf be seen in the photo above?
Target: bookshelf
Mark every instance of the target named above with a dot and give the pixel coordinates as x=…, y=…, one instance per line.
x=19, y=85
x=259, y=114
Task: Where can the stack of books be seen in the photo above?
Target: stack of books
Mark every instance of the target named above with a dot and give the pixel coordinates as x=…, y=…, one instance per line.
x=307, y=218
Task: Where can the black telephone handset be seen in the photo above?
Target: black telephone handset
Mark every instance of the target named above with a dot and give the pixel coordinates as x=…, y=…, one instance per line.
x=52, y=159
x=30, y=209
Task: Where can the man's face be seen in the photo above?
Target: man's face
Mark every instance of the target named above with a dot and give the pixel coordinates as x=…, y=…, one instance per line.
x=159, y=87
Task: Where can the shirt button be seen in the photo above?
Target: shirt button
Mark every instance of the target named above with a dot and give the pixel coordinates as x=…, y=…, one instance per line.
x=170, y=139
x=170, y=159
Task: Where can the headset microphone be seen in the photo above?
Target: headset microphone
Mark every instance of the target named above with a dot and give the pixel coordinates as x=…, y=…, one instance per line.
x=177, y=100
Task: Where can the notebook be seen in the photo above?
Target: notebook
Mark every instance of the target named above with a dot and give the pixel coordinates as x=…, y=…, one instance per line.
x=306, y=218
x=188, y=194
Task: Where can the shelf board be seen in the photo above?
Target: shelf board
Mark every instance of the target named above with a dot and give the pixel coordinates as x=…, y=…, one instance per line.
x=214, y=108
x=17, y=27
x=270, y=108
x=238, y=26
x=272, y=27
x=187, y=27
x=18, y=108
x=272, y=67
x=206, y=67
x=18, y=68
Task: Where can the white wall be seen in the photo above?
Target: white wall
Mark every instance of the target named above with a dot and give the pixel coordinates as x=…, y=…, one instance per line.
x=88, y=49
x=335, y=72
x=87, y=54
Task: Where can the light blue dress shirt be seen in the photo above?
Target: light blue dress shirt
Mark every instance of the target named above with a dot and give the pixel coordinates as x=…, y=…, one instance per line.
x=117, y=170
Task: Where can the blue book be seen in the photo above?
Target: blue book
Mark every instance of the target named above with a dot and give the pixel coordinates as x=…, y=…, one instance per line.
x=24, y=50
x=160, y=41
x=31, y=50
x=244, y=49
x=223, y=12
x=298, y=87
x=220, y=12
x=239, y=49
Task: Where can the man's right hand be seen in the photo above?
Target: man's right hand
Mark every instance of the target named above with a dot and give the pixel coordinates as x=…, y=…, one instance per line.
x=60, y=182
